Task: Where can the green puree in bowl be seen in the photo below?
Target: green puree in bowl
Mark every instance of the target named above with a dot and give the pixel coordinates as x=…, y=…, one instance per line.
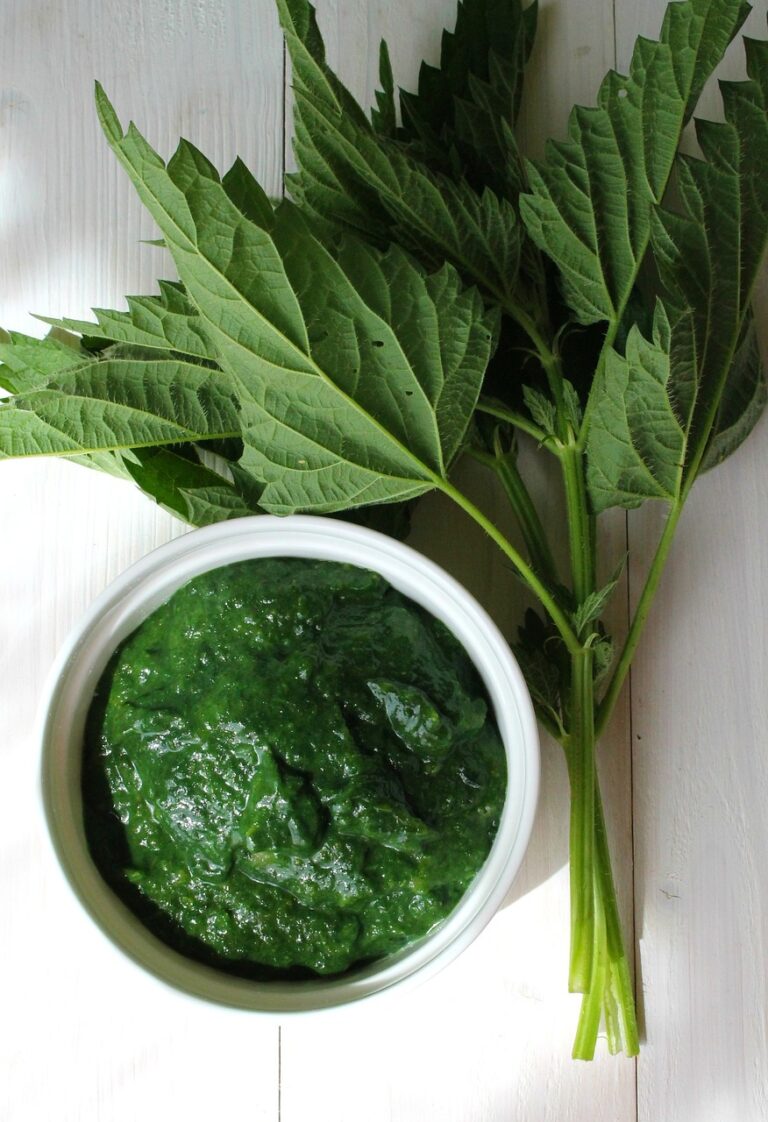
x=290, y=768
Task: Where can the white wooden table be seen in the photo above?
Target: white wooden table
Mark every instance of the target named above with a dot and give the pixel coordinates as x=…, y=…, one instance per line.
x=86, y=1037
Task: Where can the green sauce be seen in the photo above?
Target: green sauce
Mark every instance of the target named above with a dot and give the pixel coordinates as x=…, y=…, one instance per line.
x=291, y=769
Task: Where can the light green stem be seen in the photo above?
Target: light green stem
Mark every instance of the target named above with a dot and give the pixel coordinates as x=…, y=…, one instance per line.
x=620, y=987
x=530, y=523
x=534, y=582
x=610, y=993
x=599, y=967
x=592, y=1004
x=581, y=771
x=502, y=413
x=503, y=465
x=580, y=525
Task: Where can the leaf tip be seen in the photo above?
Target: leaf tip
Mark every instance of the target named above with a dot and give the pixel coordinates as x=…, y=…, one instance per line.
x=107, y=116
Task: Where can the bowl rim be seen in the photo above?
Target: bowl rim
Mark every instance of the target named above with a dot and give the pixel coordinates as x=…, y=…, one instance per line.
x=136, y=592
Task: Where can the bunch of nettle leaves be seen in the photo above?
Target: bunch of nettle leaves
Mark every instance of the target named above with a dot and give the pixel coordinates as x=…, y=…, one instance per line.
x=429, y=291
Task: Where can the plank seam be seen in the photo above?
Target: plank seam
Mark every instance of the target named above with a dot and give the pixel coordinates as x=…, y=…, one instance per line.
x=633, y=885
x=279, y=1073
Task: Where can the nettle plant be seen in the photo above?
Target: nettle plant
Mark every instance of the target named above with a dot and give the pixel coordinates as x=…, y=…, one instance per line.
x=428, y=291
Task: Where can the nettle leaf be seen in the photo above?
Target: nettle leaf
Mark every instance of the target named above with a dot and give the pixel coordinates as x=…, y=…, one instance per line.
x=349, y=394
x=217, y=499
x=353, y=179
x=593, y=195
x=169, y=474
x=436, y=327
x=202, y=506
x=573, y=410
x=657, y=408
x=28, y=363
x=468, y=105
x=602, y=656
x=744, y=398
x=590, y=609
x=117, y=404
x=245, y=191
x=165, y=322
x=542, y=410
x=708, y=257
x=636, y=442
x=384, y=116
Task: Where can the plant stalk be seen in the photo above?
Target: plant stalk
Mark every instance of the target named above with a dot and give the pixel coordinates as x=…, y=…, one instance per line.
x=620, y=984
x=527, y=516
x=533, y=581
x=581, y=771
x=599, y=967
x=503, y=465
x=610, y=996
x=502, y=413
x=580, y=523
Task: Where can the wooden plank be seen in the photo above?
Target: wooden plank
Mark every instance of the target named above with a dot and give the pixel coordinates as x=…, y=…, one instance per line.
x=700, y=770
x=490, y=1038
x=92, y=1037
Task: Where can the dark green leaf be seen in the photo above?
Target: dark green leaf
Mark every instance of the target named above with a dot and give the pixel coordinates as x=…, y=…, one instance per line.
x=384, y=116
x=743, y=401
x=351, y=178
x=545, y=665
x=246, y=193
x=542, y=410
x=656, y=408
x=602, y=657
x=595, y=604
x=468, y=105
x=167, y=475
x=392, y=519
x=116, y=404
x=222, y=500
x=205, y=505
x=636, y=443
x=572, y=405
x=348, y=394
x=166, y=322
x=593, y=195
x=28, y=363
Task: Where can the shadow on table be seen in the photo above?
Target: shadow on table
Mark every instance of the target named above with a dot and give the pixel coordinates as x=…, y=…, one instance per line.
x=548, y=848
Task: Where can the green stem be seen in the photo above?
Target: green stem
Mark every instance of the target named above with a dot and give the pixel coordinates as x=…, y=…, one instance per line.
x=581, y=770
x=544, y=351
x=502, y=413
x=592, y=1004
x=534, y=583
x=610, y=993
x=605, y=709
x=620, y=986
x=505, y=468
x=528, y=517
x=580, y=523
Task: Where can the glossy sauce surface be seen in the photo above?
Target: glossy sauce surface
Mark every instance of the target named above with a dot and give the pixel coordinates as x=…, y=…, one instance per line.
x=290, y=768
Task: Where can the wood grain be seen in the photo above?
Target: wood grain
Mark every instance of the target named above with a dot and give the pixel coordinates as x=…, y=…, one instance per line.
x=700, y=769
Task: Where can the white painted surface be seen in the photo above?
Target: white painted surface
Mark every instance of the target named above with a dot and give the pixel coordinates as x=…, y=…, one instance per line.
x=88, y=1039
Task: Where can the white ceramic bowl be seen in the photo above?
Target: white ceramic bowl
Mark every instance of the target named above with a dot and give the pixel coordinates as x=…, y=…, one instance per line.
x=146, y=585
